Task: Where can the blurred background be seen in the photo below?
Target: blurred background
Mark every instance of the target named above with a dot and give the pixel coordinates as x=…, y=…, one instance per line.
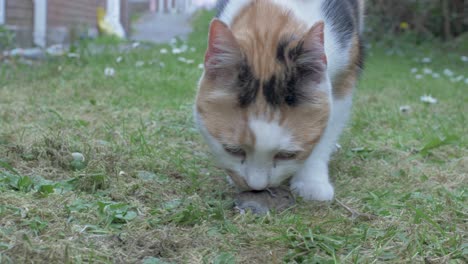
x=42, y=23
x=417, y=20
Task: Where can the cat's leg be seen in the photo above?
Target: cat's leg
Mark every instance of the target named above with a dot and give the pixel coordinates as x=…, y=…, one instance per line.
x=312, y=182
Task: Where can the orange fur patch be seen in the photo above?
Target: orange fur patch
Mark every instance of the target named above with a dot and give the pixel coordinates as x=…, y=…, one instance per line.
x=344, y=84
x=258, y=35
x=222, y=116
x=307, y=123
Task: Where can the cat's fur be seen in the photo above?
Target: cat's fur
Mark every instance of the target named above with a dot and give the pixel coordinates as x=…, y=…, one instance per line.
x=277, y=88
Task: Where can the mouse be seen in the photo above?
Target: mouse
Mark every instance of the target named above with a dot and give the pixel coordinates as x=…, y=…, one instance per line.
x=262, y=202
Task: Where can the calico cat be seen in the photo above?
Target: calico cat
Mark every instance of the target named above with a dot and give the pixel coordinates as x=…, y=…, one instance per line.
x=277, y=88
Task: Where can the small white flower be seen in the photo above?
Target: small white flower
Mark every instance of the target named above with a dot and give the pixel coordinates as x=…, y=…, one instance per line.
x=457, y=79
x=448, y=72
x=163, y=51
x=428, y=99
x=192, y=49
x=185, y=60
x=201, y=66
x=176, y=51
x=427, y=71
x=151, y=62
x=358, y=149
x=414, y=70
x=464, y=58
x=418, y=76
x=55, y=50
x=184, y=48
x=135, y=44
x=139, y=63
x=119, y=59
x=435, y=75
x=405, y=108
x=173, y=41
x=162, y=64
x=109, y=71
x=73, y=55
x=426, y=60
x=122, y=173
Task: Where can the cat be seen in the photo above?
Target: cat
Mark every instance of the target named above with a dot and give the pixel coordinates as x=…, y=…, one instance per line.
x=276, y=91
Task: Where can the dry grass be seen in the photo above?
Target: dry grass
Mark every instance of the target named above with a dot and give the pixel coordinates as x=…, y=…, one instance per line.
x=149, y=192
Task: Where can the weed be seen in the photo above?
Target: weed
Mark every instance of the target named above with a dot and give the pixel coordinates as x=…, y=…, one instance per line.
x=115, y=213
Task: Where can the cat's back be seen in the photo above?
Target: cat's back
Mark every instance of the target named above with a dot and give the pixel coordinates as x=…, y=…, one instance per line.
x=343, y=22
x=343, y=14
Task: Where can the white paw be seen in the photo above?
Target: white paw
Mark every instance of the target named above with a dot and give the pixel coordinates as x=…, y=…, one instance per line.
x=318, y=191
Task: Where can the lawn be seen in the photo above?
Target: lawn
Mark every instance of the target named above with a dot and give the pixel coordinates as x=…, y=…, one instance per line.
x=148, y=191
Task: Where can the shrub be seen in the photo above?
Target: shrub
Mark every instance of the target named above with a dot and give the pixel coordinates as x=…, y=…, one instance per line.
x=422, y=19
x=6, y=38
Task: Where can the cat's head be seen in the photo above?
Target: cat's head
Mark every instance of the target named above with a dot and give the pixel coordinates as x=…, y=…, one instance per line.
x=263, y=103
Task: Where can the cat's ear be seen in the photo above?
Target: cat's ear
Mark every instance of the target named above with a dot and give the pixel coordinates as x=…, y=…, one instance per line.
x=314, y=41
x=223, y=50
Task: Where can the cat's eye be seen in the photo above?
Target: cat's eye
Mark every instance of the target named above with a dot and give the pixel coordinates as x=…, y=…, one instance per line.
x=286, y=155
x=235, y=151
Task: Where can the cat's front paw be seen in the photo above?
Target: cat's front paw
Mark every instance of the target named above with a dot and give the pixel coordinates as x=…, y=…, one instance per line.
x=318, y=191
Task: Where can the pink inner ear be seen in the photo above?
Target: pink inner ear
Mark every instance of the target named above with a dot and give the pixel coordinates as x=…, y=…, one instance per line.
x=315, y=41
x=215, y=32
x=221, y=41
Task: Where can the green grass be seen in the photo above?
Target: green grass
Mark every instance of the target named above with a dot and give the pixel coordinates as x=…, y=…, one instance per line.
x=148, y=190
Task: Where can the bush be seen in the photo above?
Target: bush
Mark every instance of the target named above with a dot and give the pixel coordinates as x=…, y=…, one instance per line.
x=6, y=38
x=420, y=19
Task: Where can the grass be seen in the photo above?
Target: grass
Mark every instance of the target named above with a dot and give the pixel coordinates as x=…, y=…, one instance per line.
x=148, y=191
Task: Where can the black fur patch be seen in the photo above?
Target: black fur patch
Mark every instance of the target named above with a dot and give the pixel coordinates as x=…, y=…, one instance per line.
x=281, y=50
x=355, y=10
x=272, y=91
x=340, y=14
x=220, y=6
x=279, y=90
x=248, y=86
x=299, y=66
x=296, y=51
x=362, y=55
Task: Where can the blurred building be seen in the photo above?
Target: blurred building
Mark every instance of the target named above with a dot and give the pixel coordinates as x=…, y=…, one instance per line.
x=47, y=22
x=170, y=6
x=163, y=6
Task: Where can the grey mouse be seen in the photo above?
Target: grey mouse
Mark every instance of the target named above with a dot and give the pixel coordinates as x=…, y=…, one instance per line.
x=261, y=202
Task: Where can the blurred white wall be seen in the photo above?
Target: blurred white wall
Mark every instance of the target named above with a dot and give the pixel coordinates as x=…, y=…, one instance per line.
x=2, y=12
x=204, y=3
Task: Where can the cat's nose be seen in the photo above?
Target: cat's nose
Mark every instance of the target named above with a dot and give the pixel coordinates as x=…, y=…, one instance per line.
x=257, y=182
x=258, y=187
